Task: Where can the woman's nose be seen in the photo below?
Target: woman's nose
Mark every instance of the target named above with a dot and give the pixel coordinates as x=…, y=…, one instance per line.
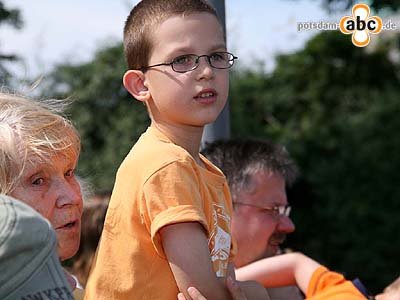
x=69, y=193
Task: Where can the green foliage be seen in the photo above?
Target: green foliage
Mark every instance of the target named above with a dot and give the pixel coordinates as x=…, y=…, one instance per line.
x=11, y=17
x=336, y=109
x=107, y=117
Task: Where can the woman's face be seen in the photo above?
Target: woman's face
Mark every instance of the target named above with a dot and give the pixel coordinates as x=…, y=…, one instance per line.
x=53, y=190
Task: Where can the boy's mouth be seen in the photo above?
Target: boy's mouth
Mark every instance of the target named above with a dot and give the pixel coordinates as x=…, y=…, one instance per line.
x=208, y=96
x=205, y=95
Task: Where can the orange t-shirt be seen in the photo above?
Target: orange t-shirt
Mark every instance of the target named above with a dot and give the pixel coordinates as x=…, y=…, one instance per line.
x=157, y=184
x=327, y=285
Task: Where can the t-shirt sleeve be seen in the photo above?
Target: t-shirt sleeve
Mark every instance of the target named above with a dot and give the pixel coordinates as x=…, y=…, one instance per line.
x=170, y=196
x=328, y=285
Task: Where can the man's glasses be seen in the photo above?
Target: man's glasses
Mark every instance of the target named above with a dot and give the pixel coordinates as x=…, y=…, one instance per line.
x=189, y=62
x=281, y=210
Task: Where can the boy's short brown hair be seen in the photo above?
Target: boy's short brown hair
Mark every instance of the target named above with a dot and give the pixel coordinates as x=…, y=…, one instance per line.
x=144, y=17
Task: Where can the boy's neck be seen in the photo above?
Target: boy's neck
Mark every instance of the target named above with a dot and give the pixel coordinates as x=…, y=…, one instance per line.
x=188, y=137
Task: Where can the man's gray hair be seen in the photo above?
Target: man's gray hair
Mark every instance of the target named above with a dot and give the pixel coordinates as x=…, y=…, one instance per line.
x=240, y=159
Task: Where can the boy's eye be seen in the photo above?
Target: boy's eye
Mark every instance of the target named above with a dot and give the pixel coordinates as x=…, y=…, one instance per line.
x=183, y=60
x=218, y=56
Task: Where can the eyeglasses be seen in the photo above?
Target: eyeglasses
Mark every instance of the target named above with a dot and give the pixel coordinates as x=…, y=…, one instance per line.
x=189, y=62
x=281, y=210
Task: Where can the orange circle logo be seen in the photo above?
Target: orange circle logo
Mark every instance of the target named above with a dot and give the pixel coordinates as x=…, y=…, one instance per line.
x=360, y=25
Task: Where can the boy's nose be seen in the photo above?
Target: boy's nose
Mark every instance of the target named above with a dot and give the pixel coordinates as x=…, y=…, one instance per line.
x=204, y=69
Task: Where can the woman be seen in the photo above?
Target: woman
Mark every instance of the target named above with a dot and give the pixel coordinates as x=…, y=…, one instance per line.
x=39, y=151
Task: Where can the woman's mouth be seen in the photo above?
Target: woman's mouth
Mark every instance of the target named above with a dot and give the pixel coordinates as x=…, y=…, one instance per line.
x=69, y=225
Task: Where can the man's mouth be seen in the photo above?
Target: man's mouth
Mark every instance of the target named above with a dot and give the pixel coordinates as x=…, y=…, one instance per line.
x=277, y=241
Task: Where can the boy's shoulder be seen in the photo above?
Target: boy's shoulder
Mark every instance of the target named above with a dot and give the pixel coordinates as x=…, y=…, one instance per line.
x=156, y=146
x=153, y=151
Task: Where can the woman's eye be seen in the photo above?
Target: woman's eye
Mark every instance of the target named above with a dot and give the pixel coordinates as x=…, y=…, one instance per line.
x=38, y=181
x=69, y=173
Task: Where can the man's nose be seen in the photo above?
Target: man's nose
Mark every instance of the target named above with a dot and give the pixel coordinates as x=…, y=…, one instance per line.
x=285, y=225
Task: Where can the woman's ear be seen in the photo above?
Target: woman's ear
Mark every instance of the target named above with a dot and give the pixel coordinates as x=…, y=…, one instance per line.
x=134, y=82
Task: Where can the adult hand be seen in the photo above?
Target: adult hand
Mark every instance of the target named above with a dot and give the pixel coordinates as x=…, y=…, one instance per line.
x=388, y=296
x=71, y=280
x=232, y=285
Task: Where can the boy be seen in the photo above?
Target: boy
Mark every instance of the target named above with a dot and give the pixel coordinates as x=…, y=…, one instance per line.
x=168, y=221
x=315, y=280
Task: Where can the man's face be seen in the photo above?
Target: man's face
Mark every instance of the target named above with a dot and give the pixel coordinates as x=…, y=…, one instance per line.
x=258, y=232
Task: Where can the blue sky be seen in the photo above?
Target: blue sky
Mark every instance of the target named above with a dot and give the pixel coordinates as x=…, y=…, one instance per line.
x=70, y=31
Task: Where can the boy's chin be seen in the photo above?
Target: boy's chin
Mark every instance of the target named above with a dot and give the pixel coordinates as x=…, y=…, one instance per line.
x=210, y=119
x=204, y=123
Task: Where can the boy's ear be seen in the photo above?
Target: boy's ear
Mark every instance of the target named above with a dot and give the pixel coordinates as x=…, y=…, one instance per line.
x=134, y=82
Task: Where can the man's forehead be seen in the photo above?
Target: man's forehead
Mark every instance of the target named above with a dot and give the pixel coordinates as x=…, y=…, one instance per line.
x=257, y=178
x=265, y=187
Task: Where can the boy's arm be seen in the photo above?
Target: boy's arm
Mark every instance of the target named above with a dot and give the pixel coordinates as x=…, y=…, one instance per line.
x=186, y=248
x=281, y=270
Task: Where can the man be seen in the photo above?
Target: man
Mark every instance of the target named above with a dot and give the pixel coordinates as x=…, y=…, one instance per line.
x=257, y=172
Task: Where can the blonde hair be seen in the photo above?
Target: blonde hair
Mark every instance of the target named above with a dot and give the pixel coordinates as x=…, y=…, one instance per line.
x=31, y=131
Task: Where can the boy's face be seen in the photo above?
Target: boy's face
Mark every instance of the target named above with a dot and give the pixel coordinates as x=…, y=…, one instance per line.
x=194, y=98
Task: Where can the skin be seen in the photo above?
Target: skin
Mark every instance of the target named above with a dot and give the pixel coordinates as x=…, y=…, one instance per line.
x=263, y=233
x=232, y=285
x=53, y=191
x=281, y=270
x=391, y=295
x=197, y=33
